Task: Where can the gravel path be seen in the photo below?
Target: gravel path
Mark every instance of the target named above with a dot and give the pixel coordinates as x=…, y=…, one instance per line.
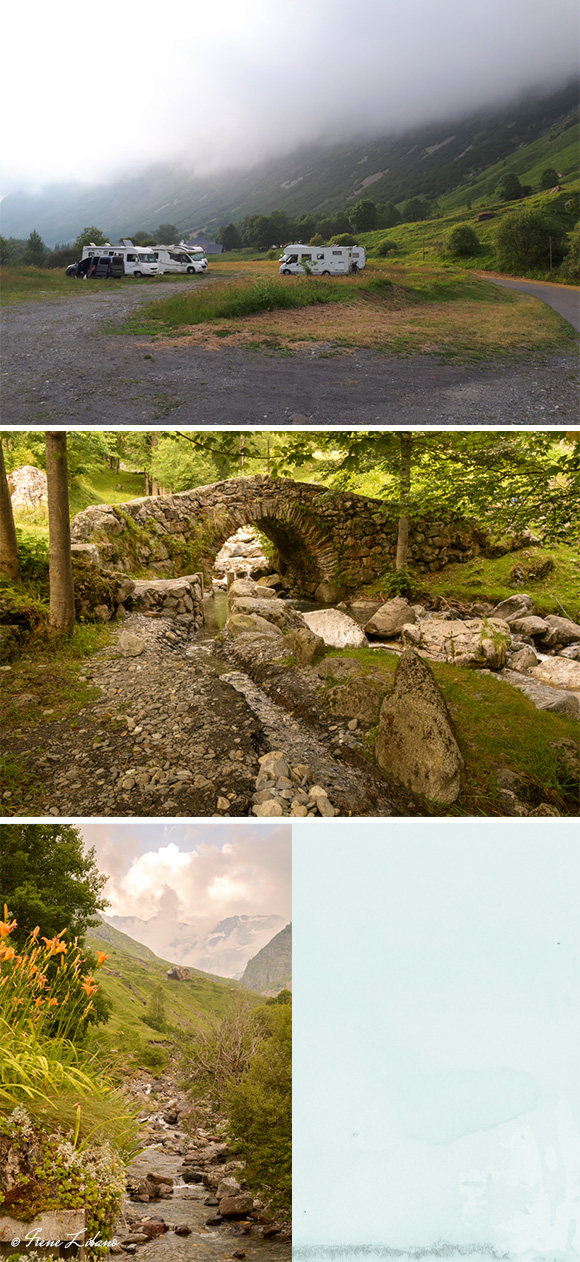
x=62, y=367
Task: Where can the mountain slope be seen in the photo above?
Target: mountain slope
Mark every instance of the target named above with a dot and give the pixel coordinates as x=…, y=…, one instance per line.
x=133, y=972
x=433, y=160
x=224, y=950
x=271, y=969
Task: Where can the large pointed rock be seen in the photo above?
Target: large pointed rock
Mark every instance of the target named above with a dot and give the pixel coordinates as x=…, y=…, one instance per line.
x=416, y=743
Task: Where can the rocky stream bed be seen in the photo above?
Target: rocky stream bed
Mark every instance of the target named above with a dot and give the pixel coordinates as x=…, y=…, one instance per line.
x=187, y=1197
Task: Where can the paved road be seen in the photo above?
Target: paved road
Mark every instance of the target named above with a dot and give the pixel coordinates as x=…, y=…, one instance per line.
x=562, y=298
x=61, y=366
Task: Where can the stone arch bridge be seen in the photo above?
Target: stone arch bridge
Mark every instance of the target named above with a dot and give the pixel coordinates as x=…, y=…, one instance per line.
x=320, y=537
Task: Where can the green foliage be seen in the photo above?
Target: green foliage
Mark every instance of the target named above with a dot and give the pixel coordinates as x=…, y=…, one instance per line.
x=155, y=1013
x=259, y=1107
x=220, y=1053
x=571, y=266
x=35, y=251
x=33, y=553
x=386, y=246
x=509, y=188
x=400, y=583
x=56, y=1171
x=416, y=208
x=89, y=236
x=229, y=237
x=363, y=215
x=167, y=234
x=317, y=239
x=48, y=879
x=463, y=241
x=522, y=242
x=548, y=178
x=343, y=238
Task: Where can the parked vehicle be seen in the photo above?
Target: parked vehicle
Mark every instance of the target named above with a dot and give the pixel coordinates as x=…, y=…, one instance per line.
x=320, y=260
x=136, y=262
x=172, y=258
x=98, y=266
x=359, y=258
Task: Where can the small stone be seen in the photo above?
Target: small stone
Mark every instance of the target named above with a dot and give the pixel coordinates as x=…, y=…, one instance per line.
x=352, y=725
x=223, y=804
x=267, y=808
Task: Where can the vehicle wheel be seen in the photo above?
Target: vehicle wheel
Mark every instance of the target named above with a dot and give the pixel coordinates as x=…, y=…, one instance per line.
x=326, y=273
x=138, y=275
x=286, y=271
x=191, y=271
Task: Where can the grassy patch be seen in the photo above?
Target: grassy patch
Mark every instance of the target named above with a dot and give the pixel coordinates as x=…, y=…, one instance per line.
x=496, y=726
x=489, y=579
x=25, y=284
x=453, y=314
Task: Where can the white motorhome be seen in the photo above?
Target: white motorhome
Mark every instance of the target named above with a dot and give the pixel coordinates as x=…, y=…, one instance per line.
x=171, y=258
x=359, y=257
x=136, y=261
x=321, y=260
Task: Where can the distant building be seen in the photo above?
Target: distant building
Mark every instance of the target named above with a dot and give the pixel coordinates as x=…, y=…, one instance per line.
x=210, y=247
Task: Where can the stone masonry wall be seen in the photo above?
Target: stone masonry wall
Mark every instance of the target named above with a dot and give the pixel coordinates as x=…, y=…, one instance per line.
x=343, y=539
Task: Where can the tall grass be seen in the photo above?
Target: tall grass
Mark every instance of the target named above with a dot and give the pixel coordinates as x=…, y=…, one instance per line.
x=240, y=298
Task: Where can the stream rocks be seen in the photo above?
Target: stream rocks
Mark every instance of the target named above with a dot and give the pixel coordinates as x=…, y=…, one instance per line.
x=337, y=629
x=474, y=642
x=416, y=743
x=391, y=617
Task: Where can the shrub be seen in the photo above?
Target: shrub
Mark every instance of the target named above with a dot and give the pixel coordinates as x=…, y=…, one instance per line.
x=220, y=1053
x=33, y=554
x=343, y=238
x=400, y=583
x=548, y=178
x=463, y=241
x=522, y=242
x=509, y=188
x=385, y=247
x=260, y=1109
x=571, y=265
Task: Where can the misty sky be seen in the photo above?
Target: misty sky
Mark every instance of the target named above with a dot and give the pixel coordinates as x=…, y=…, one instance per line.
x=197, y=872
x=98, y=95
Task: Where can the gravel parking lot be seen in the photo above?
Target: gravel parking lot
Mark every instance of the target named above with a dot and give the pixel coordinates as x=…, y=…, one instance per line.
x=61, y=366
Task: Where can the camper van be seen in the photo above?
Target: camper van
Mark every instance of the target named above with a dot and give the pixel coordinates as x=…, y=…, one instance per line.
x=171, y=258
x=359, y=257
x=321, y=260
x=136, y=261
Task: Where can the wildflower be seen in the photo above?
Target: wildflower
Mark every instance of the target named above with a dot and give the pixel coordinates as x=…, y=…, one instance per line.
x=35, y=932
x=6, y=926
x=88, y=989
x=101, y=957
x=38, y=1002
x=8, y=953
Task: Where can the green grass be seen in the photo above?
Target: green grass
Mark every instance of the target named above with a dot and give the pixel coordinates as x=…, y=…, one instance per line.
x=496, y=726
x=25, y=284
x=488, y=579
x=240, y=298
x=129, y=977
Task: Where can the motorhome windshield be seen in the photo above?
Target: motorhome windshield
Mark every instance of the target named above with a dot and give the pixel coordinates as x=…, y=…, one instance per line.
x=147, y=258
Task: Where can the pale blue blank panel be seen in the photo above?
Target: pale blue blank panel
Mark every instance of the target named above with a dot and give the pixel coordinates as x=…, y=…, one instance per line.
x=437, y=1039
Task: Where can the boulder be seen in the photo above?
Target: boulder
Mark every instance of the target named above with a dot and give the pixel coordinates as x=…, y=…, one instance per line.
x=474, y=642
x=572, y=651
x=178, y=973
x=359, y=698
x=305, y=647
x=327, y=593
x=519, y=605
x=416, y=743
x=247, y=587
x=228, y=1187
x=559, y=672
x=391, y=617
x=130, y=645
x=272, y=580
x=564, y=630
x=88, y=550
x=236, y=1206
x=27, y=486
x=277, y=611
x=530, y=626
x=523, y=659
x=336, y=628
x=240, y=623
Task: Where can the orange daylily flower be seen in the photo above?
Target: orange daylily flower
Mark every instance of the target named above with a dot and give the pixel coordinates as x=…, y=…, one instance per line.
x=101, y=957
x=88, y=989
x=35, y=932
x=8, y=954
x=38, y=1002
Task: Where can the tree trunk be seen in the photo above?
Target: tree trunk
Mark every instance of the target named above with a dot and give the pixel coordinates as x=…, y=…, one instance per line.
x=146, y=482
x=406, y=441
x=9, y=559
x=62, y=599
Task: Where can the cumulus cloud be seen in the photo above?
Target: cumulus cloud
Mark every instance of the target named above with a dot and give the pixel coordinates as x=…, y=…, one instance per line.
x=193, y=873
x=256, y=80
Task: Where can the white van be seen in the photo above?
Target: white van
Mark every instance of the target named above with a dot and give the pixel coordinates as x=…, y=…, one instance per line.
x=359, y=257
x=136, y=262
x=321, y=260
x=172, y=258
